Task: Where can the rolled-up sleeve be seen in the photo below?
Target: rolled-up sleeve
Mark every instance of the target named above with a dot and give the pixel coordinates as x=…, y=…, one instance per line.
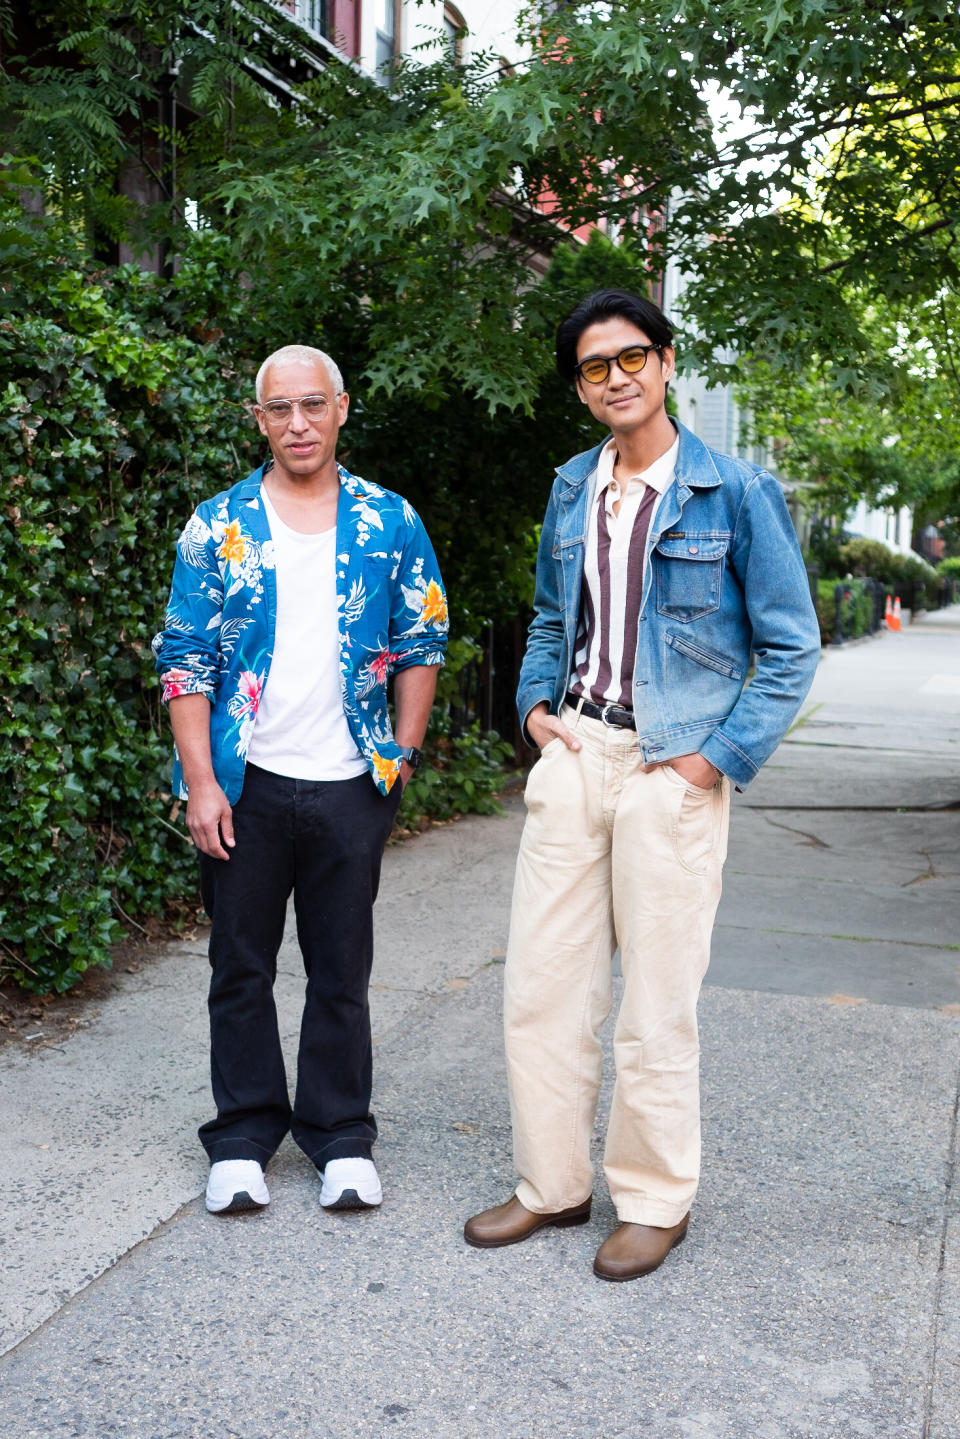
x=419, y=621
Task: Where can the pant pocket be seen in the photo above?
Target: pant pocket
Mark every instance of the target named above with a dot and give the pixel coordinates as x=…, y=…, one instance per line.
x=696, y=830
x=676, y=777
x=541, y=765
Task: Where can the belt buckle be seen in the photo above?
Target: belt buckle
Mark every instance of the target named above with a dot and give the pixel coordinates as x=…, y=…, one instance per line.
x=611, y=724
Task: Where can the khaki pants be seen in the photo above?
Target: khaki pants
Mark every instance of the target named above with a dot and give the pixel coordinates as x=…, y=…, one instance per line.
x=610, y=855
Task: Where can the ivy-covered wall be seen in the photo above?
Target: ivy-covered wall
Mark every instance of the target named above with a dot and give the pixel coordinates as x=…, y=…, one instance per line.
x=118, y=412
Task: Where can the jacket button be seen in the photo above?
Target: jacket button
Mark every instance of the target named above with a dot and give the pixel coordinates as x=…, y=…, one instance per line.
x=693, y=550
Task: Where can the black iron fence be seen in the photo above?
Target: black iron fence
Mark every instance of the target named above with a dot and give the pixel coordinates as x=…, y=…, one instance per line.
x=856, y=606
x=917, y=595
x=859, y=606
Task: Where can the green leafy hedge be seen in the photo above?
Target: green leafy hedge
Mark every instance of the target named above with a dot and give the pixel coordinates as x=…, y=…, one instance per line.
x=114, y=424
x=872, y=557
x=856, y=609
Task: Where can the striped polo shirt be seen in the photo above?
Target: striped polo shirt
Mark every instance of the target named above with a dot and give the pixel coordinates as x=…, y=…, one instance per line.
x=613, y=576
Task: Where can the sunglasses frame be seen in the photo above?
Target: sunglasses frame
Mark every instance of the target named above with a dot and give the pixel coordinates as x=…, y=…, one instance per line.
x=611, y=360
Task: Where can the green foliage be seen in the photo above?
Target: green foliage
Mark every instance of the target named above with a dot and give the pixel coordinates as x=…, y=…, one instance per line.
x=872, y=557
x=823, y=549
x=950, y=567
x=462, y=774
x=813, y=211
x=464, y=767
x=114, y=426
x=826, y=608
x=483, y=480
x=856, y=609
x=857, y=562
x=895, y=446
x=825, y=182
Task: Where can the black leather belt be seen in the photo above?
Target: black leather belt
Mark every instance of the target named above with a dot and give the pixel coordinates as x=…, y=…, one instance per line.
x=611, y=714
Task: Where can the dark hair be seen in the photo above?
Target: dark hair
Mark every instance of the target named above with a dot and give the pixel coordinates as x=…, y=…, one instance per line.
x=607, y=305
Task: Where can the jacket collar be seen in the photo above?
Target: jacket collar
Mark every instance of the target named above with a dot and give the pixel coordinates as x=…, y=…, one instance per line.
x=695, y=465
x=349, y=516
x=250, y=487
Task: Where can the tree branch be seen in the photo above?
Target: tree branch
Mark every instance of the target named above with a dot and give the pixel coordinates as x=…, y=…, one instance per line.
x=947, y=223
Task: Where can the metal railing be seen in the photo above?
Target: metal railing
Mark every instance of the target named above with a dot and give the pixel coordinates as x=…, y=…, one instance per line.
x=860, y=603
x=859, y=606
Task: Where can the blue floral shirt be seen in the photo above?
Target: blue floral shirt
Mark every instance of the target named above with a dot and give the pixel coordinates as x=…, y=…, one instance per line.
x=220, y=627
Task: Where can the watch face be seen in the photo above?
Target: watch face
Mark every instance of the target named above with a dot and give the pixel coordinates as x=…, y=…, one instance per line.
x=413, y=756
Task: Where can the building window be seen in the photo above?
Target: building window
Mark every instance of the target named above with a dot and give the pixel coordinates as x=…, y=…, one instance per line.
x=388, y=32
x=454, y=29
x=312, y=14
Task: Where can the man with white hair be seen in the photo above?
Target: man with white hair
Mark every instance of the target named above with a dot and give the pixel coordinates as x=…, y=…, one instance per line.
x=296, y=594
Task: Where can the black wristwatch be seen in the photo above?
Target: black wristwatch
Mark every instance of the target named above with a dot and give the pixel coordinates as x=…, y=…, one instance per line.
x=412, y=755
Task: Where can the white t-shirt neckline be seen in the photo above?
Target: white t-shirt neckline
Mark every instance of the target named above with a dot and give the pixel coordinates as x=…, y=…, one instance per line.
x=301, y=730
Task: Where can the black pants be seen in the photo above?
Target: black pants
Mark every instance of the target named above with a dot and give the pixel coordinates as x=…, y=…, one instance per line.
x=323, y=840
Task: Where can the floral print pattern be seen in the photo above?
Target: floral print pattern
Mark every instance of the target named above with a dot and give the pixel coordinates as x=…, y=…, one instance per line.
x=386, y=772
x=220, y=625
x=233, y=545
x=374, y=672
x=176, y=682
x=434, y=604
x=243, y=705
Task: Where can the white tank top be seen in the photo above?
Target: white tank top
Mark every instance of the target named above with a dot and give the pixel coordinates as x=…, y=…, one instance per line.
x=301, y=730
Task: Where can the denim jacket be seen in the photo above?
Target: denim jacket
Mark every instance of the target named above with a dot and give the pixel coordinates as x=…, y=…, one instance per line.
x=723, y=577
x=220, y=626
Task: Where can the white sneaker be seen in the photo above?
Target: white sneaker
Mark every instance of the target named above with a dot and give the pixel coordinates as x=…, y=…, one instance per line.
x=350, y=1184
x=235, y=1185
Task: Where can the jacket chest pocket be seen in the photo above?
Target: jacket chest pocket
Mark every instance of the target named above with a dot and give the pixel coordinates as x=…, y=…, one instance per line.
x=567, y=553
x=689, y=574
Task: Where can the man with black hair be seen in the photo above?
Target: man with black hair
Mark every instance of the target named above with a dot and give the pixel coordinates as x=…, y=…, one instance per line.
x=662, y=566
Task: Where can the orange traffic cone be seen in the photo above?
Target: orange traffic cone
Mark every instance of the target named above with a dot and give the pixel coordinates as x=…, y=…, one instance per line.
x=888, y=613
x=896, y=614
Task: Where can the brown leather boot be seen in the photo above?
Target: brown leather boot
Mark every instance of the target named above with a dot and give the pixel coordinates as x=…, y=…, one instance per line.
x=510, y=1223
x=636, y=1249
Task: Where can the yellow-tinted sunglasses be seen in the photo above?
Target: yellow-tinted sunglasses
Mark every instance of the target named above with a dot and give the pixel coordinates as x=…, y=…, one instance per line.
x=596, y=368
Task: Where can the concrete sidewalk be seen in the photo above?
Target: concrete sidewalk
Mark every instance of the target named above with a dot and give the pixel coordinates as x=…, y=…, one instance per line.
x=818, y=1292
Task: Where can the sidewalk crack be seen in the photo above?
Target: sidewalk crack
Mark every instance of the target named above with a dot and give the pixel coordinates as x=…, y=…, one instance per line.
x=810, y=839
x=929, y=873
